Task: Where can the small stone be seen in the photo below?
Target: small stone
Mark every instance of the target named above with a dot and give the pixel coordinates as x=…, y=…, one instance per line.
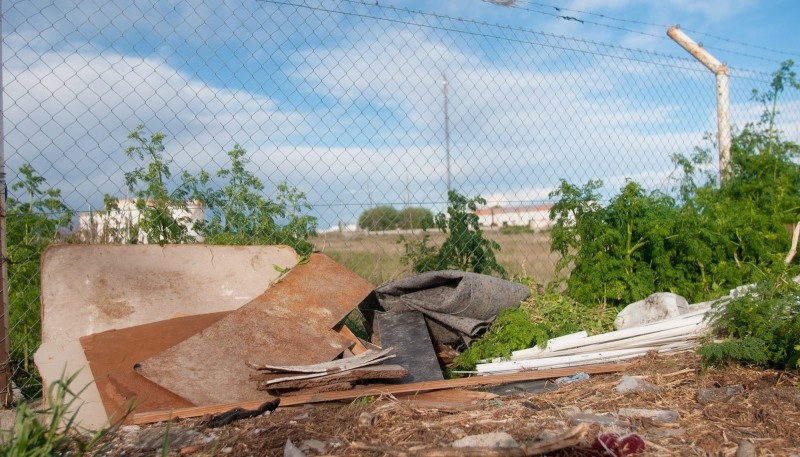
x=654, y=308
x=130, y=429
x=458, y=432
x=660, y=415
x=719, y=393
x=632, y=384
x=492, y=440
x=226, y=450
x=366, y=419
x=746, y=449
x=589, y=418
x=313, y=445
x=290, y=450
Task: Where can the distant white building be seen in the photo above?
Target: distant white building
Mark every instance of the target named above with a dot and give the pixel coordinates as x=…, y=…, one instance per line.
x=537, y=218
x=119, y=226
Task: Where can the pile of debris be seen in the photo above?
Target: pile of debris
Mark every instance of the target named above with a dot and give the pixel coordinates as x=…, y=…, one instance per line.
x=228, y=332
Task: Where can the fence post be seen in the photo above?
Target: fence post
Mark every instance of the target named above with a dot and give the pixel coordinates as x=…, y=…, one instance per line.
x=723, y=96
x=5, y=334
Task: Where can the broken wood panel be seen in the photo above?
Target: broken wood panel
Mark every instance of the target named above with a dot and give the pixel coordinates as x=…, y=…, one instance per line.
x=293, y=400
x=357, y=374
x=365, y=358
x=408, y=334
x=113, y=353
x=357, y=347
x=289, y=324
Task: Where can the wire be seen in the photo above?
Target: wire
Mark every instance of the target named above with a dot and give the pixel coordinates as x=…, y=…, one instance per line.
x=660, y=26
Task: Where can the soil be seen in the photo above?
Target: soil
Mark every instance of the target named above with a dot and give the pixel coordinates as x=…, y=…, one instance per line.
x=716, y=411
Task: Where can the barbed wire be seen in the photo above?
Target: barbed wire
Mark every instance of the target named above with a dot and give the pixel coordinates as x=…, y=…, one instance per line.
x=664, y=26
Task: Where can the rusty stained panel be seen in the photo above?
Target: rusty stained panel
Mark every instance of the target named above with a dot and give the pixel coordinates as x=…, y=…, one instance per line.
x=290, y=324
x=113, y=353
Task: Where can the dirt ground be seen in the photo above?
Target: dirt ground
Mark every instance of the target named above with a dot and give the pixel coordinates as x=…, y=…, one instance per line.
x=715, y=412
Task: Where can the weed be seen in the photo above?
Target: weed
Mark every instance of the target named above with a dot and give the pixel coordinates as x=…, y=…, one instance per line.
x=53, y=430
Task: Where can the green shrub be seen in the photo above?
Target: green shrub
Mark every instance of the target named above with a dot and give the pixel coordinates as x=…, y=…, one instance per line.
x=760, y=327
x=379, y=219
x=704, y=241
x=542, y=316
x=465, y=247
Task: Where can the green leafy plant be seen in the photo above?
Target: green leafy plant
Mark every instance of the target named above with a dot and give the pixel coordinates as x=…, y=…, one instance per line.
x=53, y=431
x=158, y=205
x=240, y=214
x=465, y=247
x=542, y=316
x=760, y=327
x=706, y=239
x=415, y=218
x=33, y=222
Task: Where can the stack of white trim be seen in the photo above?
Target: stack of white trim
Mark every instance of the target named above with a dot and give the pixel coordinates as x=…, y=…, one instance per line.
x=675, y=334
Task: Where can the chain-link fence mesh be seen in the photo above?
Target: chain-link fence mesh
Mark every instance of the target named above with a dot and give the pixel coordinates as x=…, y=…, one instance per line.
x=371, y=112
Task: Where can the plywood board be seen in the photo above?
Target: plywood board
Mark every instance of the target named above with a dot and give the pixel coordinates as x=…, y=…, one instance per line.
x=113, y=353
x=289, y=324
x=93, y=288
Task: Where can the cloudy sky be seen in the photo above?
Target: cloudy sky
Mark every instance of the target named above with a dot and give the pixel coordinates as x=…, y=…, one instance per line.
x=345, y=100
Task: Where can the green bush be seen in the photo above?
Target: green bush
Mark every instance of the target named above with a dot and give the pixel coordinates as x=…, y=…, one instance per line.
x=465, y=247
x=709, y=238
x=542, y=316
x=379, y=218
x=415, y=218
x=760, y=327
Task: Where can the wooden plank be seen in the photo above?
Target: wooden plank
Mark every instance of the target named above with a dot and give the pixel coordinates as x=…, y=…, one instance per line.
x=294, y=400
x=357, y=347
x=356, y=374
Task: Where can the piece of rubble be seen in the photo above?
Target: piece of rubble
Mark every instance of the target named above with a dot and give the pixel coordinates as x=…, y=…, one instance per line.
x=654, y=308
x=487, y=440
x=632, y=384
x=658, y=415
x=706, y=395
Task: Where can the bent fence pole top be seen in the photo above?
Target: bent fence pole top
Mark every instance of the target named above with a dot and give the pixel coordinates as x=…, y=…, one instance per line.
x=723, y=98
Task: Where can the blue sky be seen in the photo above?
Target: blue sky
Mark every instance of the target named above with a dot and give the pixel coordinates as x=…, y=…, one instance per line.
x=344, y=100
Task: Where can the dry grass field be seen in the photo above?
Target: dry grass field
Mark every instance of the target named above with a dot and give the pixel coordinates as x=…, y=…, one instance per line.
x=377, y=257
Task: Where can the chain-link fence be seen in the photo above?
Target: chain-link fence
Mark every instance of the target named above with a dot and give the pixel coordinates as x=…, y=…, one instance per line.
x=366, y=113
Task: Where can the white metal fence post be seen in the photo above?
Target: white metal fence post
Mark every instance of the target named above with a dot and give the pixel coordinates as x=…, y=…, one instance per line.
x=723, y=96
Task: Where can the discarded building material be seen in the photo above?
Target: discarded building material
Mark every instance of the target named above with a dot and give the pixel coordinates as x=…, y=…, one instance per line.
x=369, y=357
x=350, y=376
x=656, y=307
x=458, y=306
x=675, y=334
x=113, y=353
x=89, y=289
x=222, y=419
x=293, y=400
x=408, y=335
x=288, y=324
x=569, y=438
